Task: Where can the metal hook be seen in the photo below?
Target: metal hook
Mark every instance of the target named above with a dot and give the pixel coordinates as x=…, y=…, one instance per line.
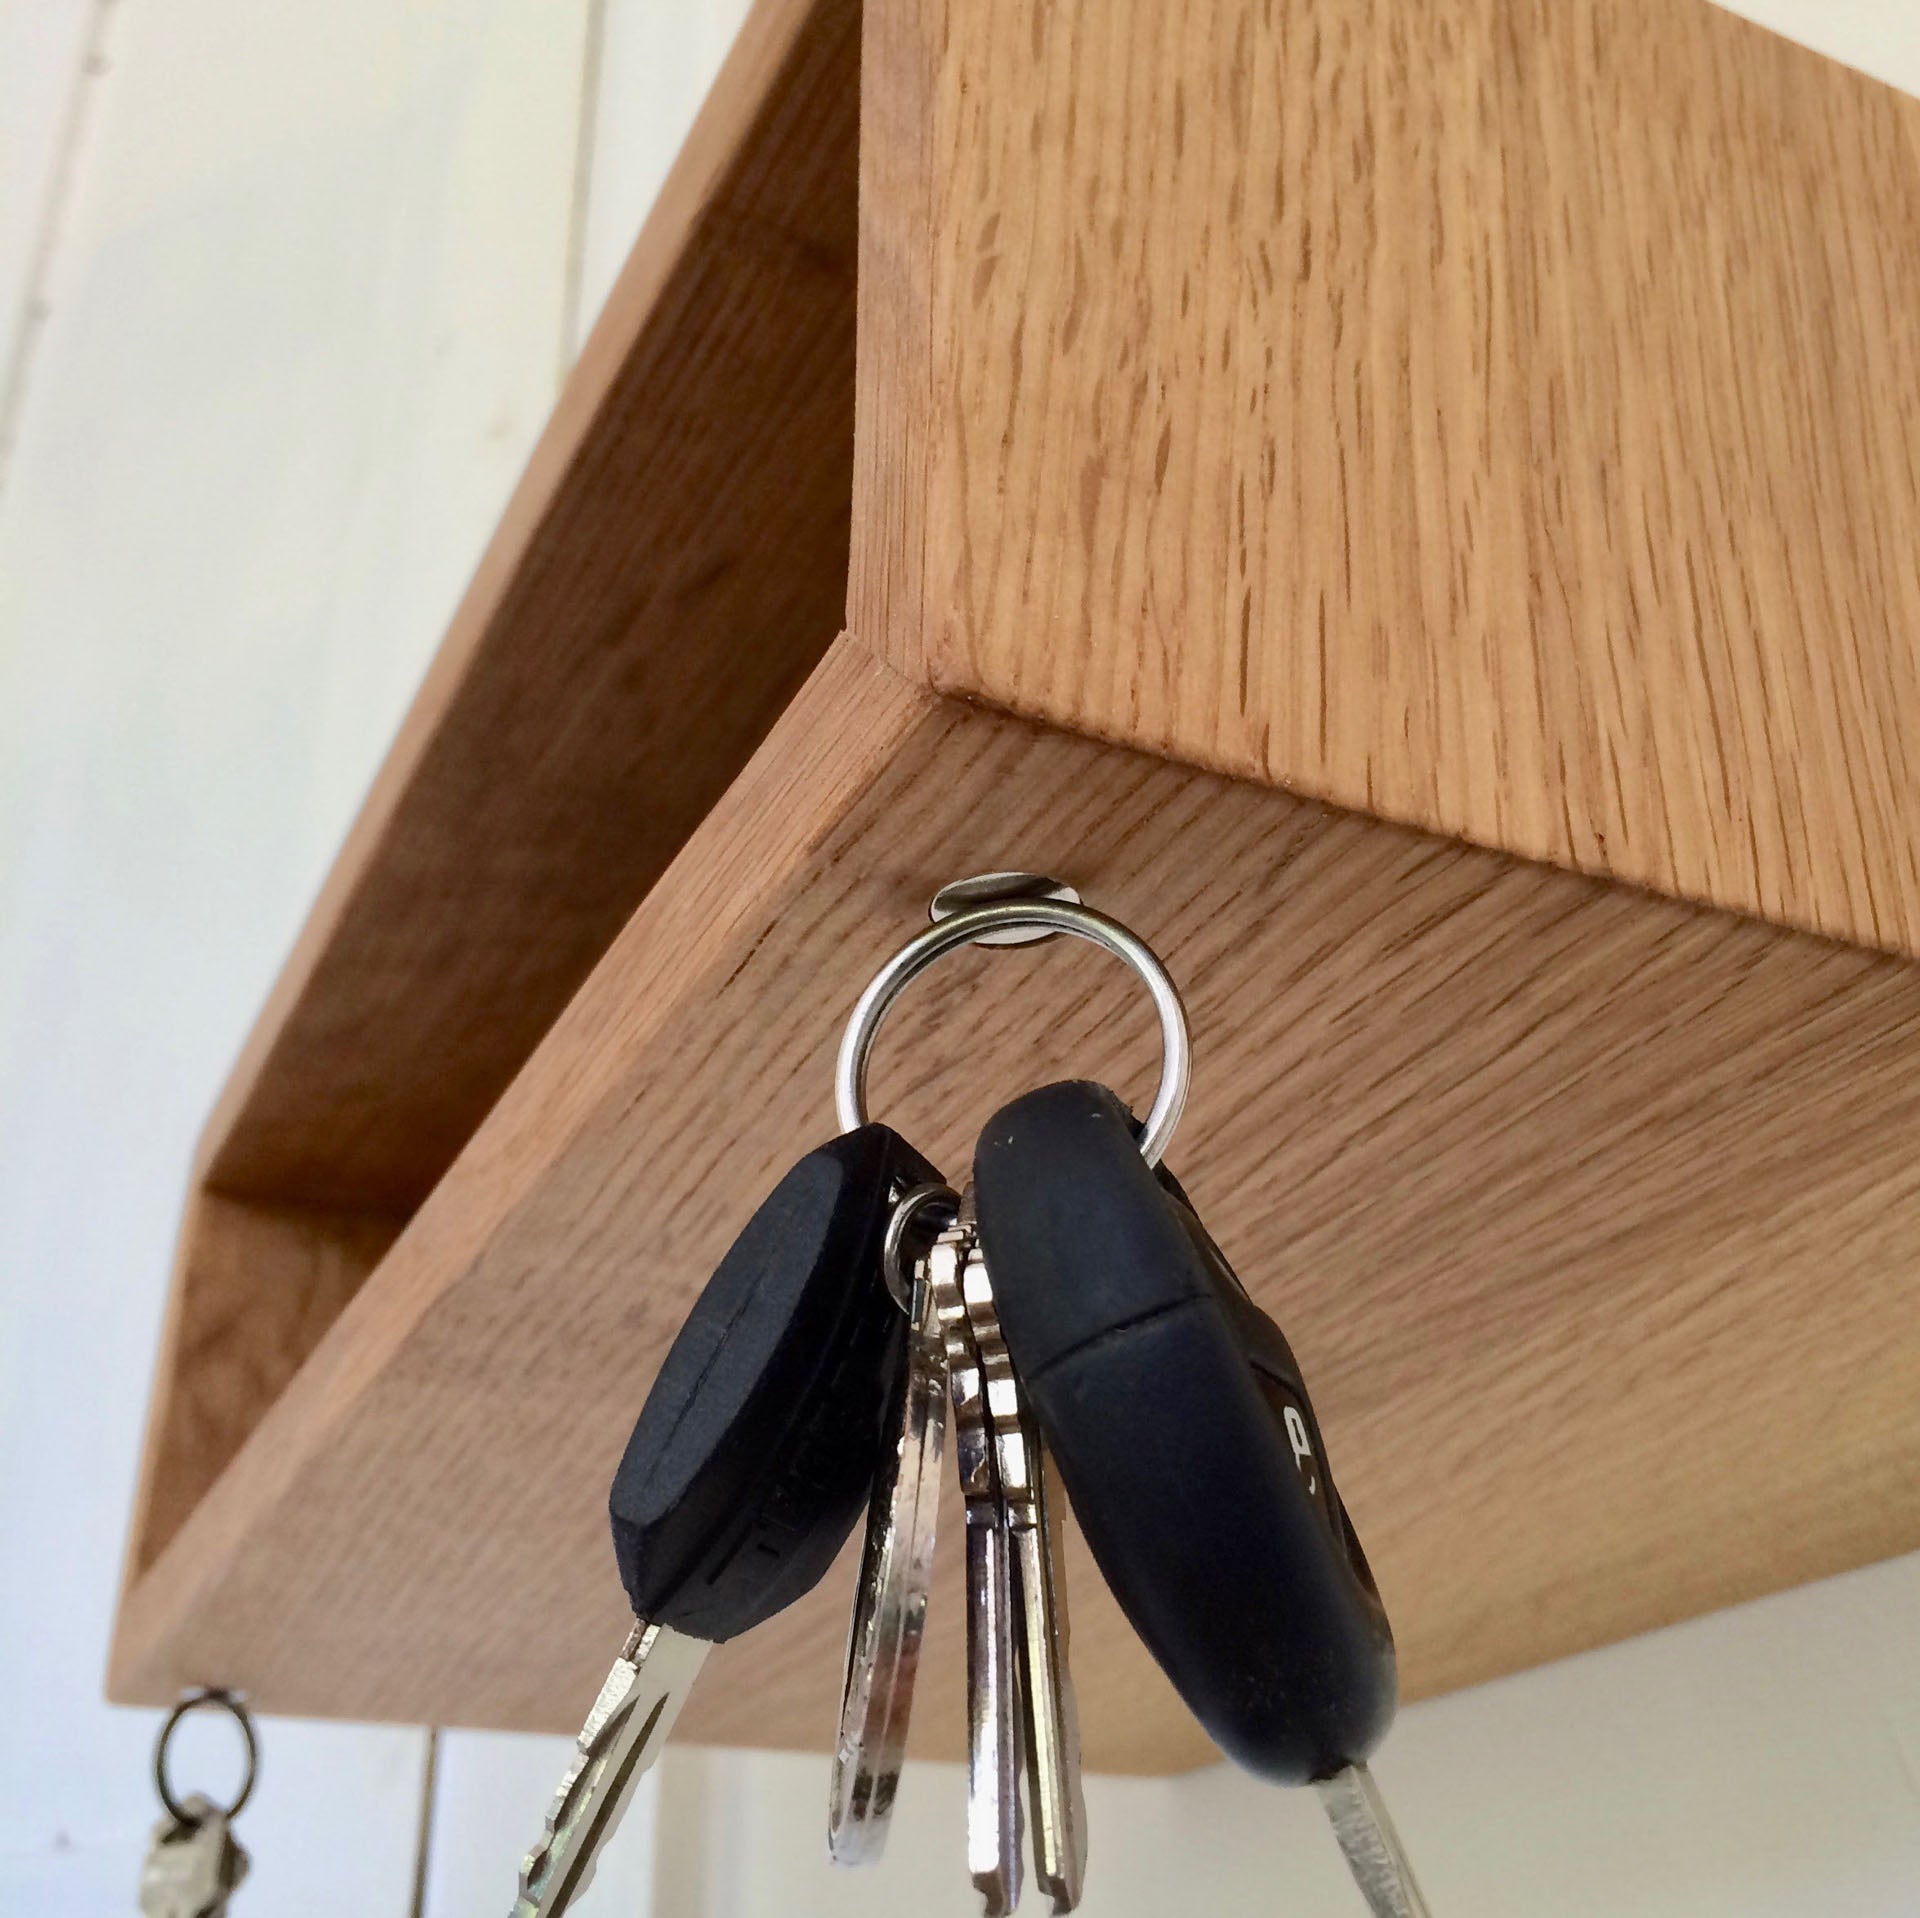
x=1003, y=916
x=986, y=888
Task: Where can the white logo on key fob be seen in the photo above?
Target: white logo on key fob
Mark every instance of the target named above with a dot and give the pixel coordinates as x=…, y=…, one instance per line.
x=1302, y=1448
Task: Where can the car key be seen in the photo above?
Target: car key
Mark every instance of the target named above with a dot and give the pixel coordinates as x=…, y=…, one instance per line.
x=1223, y=1537
x=746, y=1470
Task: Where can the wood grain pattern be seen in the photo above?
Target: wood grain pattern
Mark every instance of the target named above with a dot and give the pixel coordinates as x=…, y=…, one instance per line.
x=1495, y=415
x=670, y=568
x=1498, y=415
x=254, y=1289
x=1592, y=1216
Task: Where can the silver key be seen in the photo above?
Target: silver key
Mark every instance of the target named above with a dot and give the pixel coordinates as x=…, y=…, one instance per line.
x=1372, y=1846
x=890, y=1602
x=193, y=1866
x=993, y=1714
x=629, y=1722
x=1050, y=1724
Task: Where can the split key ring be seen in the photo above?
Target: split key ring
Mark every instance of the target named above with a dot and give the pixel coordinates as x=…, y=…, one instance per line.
x=1002, y=916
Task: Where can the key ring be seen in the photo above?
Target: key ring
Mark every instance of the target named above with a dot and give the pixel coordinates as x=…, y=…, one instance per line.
x=1008, y=915
x=945, y=1203
x=240, y=1716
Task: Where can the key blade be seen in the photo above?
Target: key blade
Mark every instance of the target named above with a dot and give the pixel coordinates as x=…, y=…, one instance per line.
x=890, y=1605
x=993, y=1717
x=1049, y=1719
x=993, y=1726
x=1374, y=1853
x=1055, y=1793
x=629, y=1722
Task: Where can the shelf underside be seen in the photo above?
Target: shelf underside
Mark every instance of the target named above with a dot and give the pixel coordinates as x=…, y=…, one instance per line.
x=1535, y=468
x=1591, y=1215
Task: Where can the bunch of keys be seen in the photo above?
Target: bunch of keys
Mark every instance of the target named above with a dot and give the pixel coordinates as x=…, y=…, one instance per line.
x=1113, y=1337
x=1067, y=1304
x=194, y=1863
x=1021, y=1721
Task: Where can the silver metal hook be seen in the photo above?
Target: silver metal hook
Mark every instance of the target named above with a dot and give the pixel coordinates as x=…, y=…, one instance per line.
x=1013, y=915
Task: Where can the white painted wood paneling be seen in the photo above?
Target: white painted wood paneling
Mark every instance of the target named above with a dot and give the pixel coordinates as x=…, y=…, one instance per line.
x=494, y=1791
x=43, y=46
x=306, y=313
x=1880, y=37
x=1759, y=1763
x=653, y=63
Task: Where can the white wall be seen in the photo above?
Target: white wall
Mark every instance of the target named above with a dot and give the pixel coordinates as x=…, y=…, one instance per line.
x=304, y=319
x=308, y=290
x=43, y=50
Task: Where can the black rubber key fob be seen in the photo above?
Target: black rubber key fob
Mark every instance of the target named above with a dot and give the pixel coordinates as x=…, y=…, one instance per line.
x=756, y=1448
x=1185, y=1439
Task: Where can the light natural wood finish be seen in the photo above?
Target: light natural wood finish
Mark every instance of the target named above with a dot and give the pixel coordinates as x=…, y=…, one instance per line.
x=1492, y=414
x=1592, y=1216
x=670, y=568
x=254, y=1289
x=1498, y=415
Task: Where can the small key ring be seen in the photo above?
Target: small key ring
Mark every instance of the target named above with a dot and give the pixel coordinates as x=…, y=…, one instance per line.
x=193, y=1702
x=893, y=1248
x=1005, y=915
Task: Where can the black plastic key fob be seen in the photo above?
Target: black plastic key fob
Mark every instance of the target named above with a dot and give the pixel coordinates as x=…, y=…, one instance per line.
x=1184, y=1437
x=756, y=1447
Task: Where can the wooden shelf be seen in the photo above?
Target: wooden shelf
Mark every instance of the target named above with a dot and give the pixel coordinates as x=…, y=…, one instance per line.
x=1498, y=423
